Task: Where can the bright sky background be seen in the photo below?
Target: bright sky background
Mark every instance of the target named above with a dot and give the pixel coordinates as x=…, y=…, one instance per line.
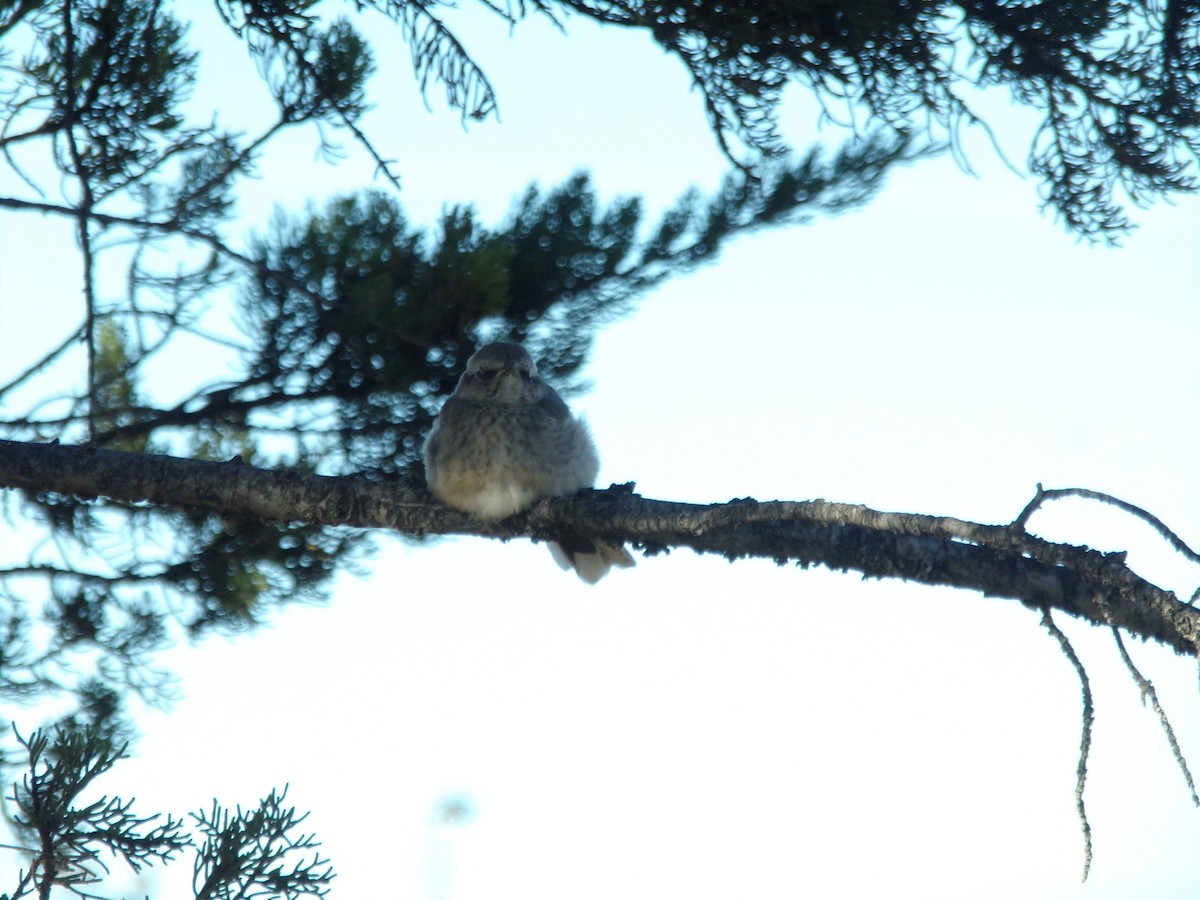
x=691, y=727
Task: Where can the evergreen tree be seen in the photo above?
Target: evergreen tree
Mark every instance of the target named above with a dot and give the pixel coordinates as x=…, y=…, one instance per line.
x=357, y=322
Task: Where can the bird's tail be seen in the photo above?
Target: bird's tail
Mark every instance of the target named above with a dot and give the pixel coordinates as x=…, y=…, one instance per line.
x=591, y=559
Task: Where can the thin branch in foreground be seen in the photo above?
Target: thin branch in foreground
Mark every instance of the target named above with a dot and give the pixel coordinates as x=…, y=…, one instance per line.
x=1147, y=689
x=87, y=201
x=45, y=361
x=1085, y=741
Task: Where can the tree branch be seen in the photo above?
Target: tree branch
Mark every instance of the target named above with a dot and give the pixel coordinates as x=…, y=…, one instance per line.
x=997, y=561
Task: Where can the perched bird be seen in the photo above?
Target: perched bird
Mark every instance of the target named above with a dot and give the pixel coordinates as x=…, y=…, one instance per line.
x=505, y=440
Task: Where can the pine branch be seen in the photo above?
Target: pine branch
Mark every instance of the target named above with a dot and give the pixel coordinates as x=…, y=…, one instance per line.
x=995, y=560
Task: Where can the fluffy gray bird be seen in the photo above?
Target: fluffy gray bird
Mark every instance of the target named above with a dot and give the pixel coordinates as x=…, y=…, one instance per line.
x=505, y=440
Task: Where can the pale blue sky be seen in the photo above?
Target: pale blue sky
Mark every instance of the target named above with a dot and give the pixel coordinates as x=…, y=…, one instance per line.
x=696, y=728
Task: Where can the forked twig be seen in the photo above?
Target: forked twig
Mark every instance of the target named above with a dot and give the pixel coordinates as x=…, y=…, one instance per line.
x=1152, y=520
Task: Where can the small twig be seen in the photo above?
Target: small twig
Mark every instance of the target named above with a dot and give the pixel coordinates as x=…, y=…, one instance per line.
x=1030, y=507
x=1058, y=493
x=1147, y=689
x=1085, y=742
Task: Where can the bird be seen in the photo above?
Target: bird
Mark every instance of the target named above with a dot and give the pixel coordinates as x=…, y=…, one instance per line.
x=504, y=440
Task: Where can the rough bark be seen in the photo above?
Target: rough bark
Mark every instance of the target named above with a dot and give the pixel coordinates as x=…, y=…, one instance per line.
x=994, y=560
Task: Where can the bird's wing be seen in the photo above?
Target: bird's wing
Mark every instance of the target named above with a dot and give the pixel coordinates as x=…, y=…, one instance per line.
x=552, y=405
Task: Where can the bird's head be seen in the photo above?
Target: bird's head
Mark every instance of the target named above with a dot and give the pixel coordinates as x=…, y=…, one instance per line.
x=501, y=373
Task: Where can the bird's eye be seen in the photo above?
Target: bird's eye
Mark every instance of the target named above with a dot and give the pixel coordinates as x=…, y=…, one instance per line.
x=485, y=375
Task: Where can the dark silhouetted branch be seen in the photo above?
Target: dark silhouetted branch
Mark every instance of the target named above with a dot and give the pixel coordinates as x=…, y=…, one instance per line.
x=997, y=561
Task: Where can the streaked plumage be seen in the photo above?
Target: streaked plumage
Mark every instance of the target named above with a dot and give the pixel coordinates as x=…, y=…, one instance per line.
x=505, y=440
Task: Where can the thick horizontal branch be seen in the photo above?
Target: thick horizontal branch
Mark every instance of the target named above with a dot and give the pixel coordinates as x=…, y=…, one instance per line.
x=995, y=560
